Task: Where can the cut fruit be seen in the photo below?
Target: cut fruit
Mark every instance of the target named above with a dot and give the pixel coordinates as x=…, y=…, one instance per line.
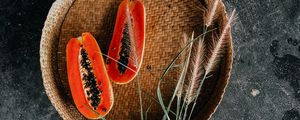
x=89, y=83
x=126, y=49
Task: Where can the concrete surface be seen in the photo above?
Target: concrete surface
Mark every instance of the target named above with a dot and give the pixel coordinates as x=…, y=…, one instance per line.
x=265, y=81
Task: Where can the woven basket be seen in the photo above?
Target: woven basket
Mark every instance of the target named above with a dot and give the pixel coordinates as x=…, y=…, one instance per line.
x=166, y=21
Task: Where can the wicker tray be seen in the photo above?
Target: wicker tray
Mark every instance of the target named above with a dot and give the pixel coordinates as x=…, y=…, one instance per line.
x=166, y=21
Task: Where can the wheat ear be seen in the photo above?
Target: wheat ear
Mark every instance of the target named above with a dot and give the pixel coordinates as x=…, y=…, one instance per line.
x=185, y=66
x=211, y=12
x=213, y=60
x=215, y=56
x=179, y=86
x=196, y=71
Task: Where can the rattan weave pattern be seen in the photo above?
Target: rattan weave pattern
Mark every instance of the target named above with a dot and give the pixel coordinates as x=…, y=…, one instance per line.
x=166, y=21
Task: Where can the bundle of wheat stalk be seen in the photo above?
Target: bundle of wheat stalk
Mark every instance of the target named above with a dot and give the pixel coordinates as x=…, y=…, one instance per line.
x=180, y=77
x=199, y=61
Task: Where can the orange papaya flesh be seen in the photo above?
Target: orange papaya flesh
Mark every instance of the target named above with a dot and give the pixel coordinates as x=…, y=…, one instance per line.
x=127, y=45
x=88, y=80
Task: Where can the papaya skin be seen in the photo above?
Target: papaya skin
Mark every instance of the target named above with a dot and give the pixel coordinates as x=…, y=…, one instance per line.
x=88, y=42
x=137, y=17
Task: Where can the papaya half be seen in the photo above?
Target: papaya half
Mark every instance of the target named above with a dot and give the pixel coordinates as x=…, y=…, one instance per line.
x=127, y=45
x=88, y=80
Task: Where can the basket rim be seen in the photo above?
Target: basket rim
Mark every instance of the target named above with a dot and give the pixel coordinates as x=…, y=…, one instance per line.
x=57, y=13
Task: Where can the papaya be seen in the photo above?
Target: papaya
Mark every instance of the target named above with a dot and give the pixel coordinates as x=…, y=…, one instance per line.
x=88, y=80
x=127, y=45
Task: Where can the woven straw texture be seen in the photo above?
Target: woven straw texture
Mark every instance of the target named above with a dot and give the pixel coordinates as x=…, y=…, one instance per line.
x=166, y=22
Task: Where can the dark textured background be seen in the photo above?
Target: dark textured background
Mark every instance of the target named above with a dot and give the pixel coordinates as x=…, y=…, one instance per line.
x=265, y=81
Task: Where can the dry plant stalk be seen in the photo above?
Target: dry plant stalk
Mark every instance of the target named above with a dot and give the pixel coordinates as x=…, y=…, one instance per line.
x=195, y=70
x=222, y=42
x=185, y=58
x=198, y=70
x=210, y=13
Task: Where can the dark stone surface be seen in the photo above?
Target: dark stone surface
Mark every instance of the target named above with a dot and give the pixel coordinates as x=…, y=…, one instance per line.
x=266, y=40
x=265, y=81
x=22, y=92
